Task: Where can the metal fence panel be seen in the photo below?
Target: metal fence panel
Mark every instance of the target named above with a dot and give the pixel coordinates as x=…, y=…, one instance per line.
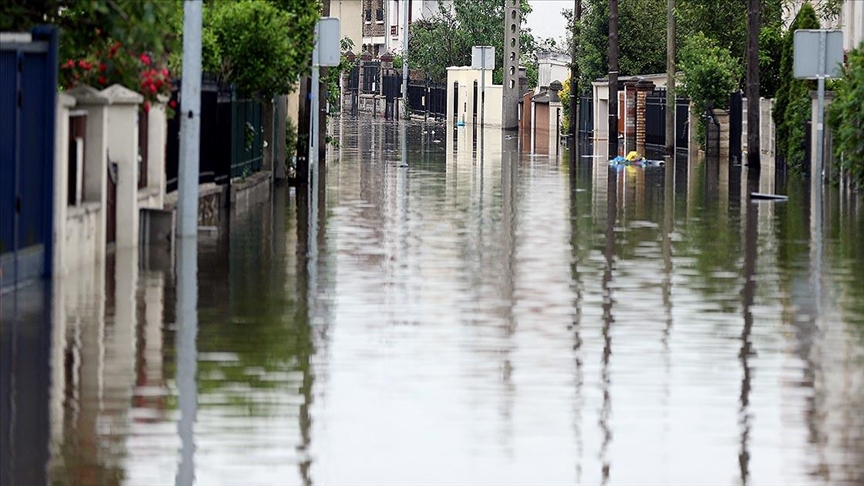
x=247, y=138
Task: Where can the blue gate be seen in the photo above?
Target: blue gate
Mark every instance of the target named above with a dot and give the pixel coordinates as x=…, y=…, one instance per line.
x=28, y=92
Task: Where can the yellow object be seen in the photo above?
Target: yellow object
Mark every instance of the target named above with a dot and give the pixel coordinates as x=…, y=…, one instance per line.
x=633, y=156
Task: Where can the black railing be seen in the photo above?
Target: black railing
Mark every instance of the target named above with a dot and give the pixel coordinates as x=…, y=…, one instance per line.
x=371, y=77
x=232, y=138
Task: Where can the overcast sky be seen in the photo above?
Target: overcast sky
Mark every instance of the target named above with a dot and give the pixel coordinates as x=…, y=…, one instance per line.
x=546, y=20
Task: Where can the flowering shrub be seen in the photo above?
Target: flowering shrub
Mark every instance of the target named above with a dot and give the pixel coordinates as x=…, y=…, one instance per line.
x=113, y=63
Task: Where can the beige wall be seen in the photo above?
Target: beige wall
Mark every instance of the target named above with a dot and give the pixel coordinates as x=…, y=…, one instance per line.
x=349, y=13
x=466, y=77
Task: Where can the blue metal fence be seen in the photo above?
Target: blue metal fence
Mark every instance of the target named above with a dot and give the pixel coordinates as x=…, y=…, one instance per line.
x=28, y=92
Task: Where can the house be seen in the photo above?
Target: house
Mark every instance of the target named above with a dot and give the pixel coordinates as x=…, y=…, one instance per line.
x=850, y=19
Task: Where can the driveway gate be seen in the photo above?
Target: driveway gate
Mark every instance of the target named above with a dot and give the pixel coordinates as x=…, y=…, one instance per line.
x=28, y=93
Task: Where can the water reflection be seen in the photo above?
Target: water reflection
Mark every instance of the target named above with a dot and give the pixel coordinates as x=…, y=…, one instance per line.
x=483, y=316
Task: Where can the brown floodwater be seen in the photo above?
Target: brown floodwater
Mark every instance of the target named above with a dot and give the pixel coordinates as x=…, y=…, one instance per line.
x=481, y=316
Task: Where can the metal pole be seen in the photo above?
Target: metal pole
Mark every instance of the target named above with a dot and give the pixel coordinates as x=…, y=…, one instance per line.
x=190, y=121
x=670, y=77
x=405, y=9
x=820, y=107
x=613, y=79
x=753, y=27
x=313, y=99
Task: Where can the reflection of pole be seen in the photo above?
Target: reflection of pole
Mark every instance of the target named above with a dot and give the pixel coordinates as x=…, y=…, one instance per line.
x=608, y=320
x=405, y=9
x=187, y=355
x=748, y=294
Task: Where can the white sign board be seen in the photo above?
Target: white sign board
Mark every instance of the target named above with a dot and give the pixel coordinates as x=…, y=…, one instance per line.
x=327, y=37
x=807, y=51
x=483, y=57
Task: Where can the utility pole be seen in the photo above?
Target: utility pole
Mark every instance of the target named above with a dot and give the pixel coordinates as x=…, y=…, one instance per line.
x=190, y=121
x=613, y=79
x=753, y=14
x=574, y=70
x=670, y=77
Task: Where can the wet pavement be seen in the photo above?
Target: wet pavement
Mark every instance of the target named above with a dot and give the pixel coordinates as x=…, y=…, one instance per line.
x=479, y=317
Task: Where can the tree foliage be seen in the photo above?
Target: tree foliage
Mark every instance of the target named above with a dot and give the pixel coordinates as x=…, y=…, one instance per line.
x=710, y=73
x=264, y=45
x=446, y=38
x=846, y=116
x=790, y=122
x=641, y=38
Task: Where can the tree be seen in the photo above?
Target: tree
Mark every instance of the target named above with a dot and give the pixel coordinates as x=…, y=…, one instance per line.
x=446, y=38
x=793, y=93
x=725, y=21
x=846, y=117
x=641, y=38
x=710, y=74
x=264, y=48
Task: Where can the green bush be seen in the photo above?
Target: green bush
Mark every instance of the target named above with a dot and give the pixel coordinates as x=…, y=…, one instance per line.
x=789, y=91
x=710, y=74
x=846, y=116
x=264, y=48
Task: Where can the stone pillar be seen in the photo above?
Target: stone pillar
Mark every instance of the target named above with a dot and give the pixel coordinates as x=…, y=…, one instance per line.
x=157, y=135
x=643, y=87
x=510, y=97
x=61, y=177
x=123, y=150
x=95, y=155
x=723, y=119
x=629, y=116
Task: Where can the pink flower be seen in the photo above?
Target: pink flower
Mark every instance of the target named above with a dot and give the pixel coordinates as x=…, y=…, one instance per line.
x=172, y=104
x=102, y=67
x=146, y=106
x=103, y=80
x=145, y=59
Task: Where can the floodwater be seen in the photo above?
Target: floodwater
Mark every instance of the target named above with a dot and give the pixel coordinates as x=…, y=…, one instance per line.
x=479, y=317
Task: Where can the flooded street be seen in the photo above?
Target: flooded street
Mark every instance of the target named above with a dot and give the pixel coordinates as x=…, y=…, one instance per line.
x=479, y=317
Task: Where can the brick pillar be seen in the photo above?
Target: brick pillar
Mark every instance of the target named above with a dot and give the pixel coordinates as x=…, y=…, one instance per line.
x=642, y=87
x=629, y=116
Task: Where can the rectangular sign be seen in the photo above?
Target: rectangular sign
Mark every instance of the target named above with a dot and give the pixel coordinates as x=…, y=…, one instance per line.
x=806, y=61
x=327, y=37
x=481, y=55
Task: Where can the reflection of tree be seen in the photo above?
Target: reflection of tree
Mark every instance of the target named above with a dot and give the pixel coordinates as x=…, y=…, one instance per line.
x=713, y=241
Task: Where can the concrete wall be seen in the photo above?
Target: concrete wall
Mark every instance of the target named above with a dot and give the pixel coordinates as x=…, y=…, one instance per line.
x=153, y=196
x=466, y=76
x=123, y=150
x=79, y=229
